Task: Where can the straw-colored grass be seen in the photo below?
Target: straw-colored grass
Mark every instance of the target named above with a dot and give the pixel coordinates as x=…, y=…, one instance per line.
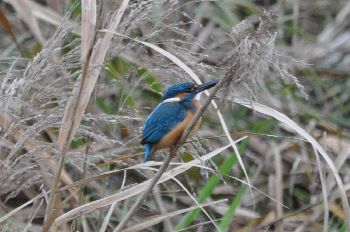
x=78, y=79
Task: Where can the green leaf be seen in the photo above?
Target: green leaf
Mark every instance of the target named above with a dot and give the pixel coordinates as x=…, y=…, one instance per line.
x=264, y=125
x=157, y=87
x=130, y=101
x=112, y=72
x=36, y=49
x=301, y=194
x=77, y=142
x=342, y=228
x=151, y=80
x=102, y=104
x=229, y=215
x=209, y=187
x=192, y=172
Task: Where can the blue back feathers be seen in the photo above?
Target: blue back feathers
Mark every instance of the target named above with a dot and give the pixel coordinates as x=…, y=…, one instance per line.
x=160, y=122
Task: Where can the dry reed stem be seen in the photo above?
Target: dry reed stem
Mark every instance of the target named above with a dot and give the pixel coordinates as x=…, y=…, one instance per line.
x=278, y=185
x=22, y=9
x=6, y=26
x=138, y=189
x=153, y=220
x=324, y=192
x=77, y=104
x=332, y=29
x=158, y=199
x=51, y=211
x=42, y=12
x=88, y=18
x=148, y=189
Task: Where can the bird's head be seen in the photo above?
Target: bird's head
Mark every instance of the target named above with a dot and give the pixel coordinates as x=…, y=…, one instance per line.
x=183, y=89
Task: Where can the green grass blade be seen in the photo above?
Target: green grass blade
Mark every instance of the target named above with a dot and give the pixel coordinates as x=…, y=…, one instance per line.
x=229, y=215
x=209, y=187
x=342, y=228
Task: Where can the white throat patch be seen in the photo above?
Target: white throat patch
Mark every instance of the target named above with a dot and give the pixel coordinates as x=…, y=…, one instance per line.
x=176, y=99
x=198, y=96
x=173, y=99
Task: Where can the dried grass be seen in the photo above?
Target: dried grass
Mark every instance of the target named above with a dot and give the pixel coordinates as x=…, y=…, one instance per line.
x=173, y=43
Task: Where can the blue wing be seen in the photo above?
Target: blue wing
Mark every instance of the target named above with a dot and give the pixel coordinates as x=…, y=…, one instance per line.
x=162, y=120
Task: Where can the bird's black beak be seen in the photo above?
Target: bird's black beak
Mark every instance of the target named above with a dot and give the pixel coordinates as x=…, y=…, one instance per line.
x=206, y=85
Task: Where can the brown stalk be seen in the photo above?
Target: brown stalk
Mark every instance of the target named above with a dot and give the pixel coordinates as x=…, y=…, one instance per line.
x=52, y=212
x=77, y=104
x=89, y=19
x=278, y=185
x=6, y=25
x=172, y=153
x=81, y=199
x=27, y=16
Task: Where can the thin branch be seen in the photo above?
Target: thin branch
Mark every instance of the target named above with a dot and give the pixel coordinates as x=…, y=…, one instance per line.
x=158, y=198
x=140, y=200
x=172, y=153
x=51, y=211
x=81, y=199
x=285, y=216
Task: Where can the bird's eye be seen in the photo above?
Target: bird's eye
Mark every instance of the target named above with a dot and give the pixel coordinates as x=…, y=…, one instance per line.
x=190, y=90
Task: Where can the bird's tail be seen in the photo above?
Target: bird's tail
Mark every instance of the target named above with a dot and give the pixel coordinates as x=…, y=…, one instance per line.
x=148, y=151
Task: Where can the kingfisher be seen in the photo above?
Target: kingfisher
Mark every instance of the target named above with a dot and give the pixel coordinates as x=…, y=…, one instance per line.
x=166, y=123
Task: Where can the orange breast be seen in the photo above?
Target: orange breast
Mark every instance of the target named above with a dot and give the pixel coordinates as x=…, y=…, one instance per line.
x=174, y=135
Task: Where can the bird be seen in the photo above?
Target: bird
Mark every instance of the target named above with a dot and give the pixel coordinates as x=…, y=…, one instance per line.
x=164, y=126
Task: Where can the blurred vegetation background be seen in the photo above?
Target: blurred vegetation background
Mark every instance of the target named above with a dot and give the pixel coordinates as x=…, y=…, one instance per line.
x=298, y=65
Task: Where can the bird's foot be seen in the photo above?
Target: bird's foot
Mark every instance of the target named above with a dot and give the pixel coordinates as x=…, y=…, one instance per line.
x=172, y=151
